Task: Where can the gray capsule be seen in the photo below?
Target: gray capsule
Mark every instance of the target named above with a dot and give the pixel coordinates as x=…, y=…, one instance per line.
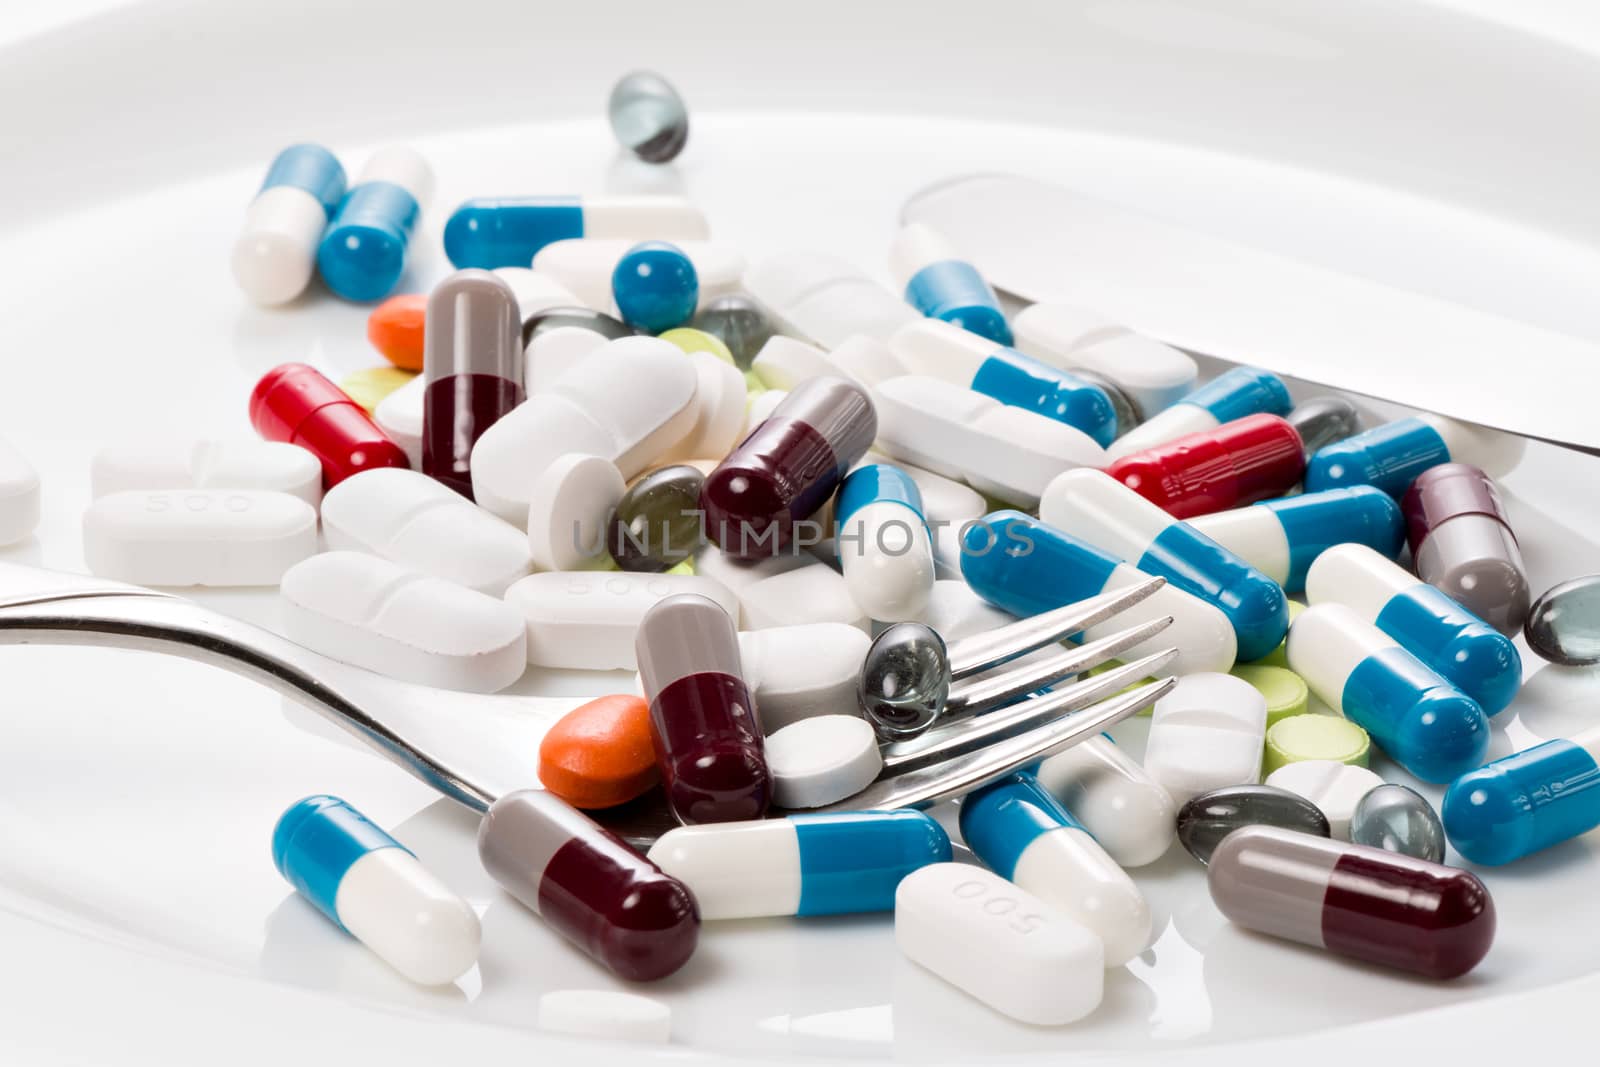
x=1324, y=420
x=649, y=117
x=905, y=680
x=1564, y=624
x=656, y=524
x=738, y=322
x=1397, y=818
x=1206, y=819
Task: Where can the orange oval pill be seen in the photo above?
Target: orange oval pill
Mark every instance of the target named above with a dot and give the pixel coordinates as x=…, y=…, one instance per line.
x=395, y=329
x=600, y=754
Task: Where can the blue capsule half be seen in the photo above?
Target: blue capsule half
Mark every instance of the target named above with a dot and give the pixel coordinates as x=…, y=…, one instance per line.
x=489, y=232
x=1240, y=392
x=1315, y=522
x=1388, y=456
x=1421, y=721
x=317, y=840
x=953, y=291
x=1254, y=604
x=1021, y=381
x=1526, y=802
x=1463, y=649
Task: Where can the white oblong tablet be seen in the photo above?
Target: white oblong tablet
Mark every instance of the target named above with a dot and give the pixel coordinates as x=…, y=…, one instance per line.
x=721, y=395
x=1334, y=787
x=1206, y=733
x=554, y=352
x=811, y=591
x=364, y=610
x=798, y=672
x=408, y=518
x=1009, y=453
x=784, y=363
x=585, y=620
x=1001, y=945
x=217, y=537
x=602, y=1013
x=1155, y=376
x=568, y=509
x=19, y=496
x=821, y=760
x=399, y=415
x=274, y=465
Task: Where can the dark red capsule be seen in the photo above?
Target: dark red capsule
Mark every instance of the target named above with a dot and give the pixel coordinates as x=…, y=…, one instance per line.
x=702, y=720
x=787, y=467
x=1238, y=463
x=594, y=890
x=296, y=403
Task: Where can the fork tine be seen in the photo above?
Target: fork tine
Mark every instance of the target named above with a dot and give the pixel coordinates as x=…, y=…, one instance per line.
x=1000, y=688
x=962, y=774
x=979, y=652
x=942, y=743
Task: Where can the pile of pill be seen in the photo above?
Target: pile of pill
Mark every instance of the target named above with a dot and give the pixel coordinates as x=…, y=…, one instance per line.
x=607, y=442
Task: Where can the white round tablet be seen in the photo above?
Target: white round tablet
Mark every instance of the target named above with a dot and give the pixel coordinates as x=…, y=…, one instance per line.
x=1334, y=787
x=568, y=508
x=601, y=1013
x=823, y=759
x=762, y=405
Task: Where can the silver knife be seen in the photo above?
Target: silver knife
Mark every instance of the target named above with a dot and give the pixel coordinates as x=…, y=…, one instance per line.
x=1213, y=297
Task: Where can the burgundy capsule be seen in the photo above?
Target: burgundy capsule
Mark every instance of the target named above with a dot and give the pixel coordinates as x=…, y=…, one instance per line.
x=594, y=890
x=472, y=361
x=702, y=720
x=295, y=403
x=1382, y=907
x=1462, y=543
x=787, y=467
x=1238, y=463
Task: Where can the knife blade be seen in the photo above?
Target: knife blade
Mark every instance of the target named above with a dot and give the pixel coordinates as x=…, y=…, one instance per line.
x=1215, y=297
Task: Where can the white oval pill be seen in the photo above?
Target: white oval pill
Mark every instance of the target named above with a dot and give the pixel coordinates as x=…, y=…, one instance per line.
x=602, y=1013
x=998, y=943
x=19, y=496
x=788, y=687
x=399, y=415
x=1206, y=733
x=585, y=620
x=569, y=508
x=274, y=465
x=217, y=537
x=410, y=519
x=1334, y=787
x=821, y=760
x=360, y=609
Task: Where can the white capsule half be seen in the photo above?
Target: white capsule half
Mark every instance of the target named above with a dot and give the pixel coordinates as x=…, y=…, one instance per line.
x=1129, y=813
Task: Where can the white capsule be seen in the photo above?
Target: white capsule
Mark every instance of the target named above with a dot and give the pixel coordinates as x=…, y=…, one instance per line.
x=787, y=687
x=1206, y=733
x=174, y=464
x=585, y=265
x=277, y=249
x=410, y=519
x=210, y=537
x=584, y=620
x=19, y=496
x=1129, y=813
x=819, y=296
x=1152, y=375
x=887, y=559
x=630, y=402
x=535, y=292
x=363, y=610
x=998, y=943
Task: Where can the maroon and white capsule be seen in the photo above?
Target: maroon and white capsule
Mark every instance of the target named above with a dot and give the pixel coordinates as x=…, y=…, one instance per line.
x=594, y=890
x=702, y=719
x=1382, y=907
x=787, y=467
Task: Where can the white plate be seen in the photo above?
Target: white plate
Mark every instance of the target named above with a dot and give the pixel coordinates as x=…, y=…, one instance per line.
x=142, y=918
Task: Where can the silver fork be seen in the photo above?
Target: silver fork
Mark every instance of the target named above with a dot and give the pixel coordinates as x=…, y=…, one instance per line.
x=474, y=748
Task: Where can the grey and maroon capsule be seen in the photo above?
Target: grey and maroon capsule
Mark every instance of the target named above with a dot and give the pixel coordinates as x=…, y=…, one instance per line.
x=787, y=467
x=472, y=359
x=1463, y=544
x=594, y=890
x=1378, y=906
x=702, y=718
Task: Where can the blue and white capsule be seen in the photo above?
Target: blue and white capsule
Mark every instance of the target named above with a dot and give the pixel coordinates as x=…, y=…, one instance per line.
x=375, y=889
x=1526, y=802
x=1096, y=508
x=1463, y=649
x=1239, y=392
x=1027, y=567
x=835, y=864
x=489, y=232
x=943, y=286
x=1421, y=721
x=884, y=546
x=363, y=252
x=277, y=249
x=1282, y=538
x=939, y=350
x=1023, y=834
x=1392, y=455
